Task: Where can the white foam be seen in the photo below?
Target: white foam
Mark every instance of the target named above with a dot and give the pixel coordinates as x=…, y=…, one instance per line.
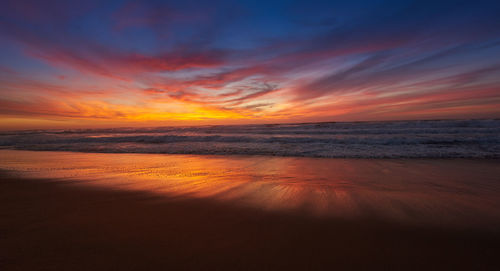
x=442, y=138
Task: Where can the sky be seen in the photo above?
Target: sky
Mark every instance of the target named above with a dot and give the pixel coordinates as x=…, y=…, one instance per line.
x=75, y=64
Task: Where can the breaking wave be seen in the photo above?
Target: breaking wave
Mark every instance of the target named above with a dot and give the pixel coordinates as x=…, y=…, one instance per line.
x=394, y=139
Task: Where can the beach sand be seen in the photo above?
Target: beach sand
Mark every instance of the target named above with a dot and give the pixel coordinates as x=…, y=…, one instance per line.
x=126, y=222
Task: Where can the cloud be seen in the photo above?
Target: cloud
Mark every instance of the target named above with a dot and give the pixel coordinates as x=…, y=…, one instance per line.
x=257, y=91
x=164, y=59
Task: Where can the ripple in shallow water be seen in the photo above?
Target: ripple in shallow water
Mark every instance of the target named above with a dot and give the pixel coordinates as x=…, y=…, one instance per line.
x=452, y=193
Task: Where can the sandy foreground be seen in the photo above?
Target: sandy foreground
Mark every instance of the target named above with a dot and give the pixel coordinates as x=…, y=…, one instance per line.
x=79, y=211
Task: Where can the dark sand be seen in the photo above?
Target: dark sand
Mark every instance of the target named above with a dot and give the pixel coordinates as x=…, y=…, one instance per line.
x=54, y=225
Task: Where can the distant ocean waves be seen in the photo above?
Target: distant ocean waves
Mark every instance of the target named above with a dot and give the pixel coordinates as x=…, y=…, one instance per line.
x=396, y=139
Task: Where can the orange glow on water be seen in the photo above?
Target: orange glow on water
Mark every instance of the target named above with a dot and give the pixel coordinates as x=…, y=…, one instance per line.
x=345, y=188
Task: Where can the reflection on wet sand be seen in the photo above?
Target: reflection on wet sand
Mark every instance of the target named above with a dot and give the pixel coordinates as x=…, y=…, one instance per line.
x=451, y=193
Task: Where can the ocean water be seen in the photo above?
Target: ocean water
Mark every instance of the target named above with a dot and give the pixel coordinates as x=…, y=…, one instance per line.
x=390, y=139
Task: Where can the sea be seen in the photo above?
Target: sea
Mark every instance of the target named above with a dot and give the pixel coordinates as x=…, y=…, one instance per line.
x=377, y=139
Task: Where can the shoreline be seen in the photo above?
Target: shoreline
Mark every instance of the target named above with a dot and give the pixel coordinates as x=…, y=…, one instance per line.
x=49, y=224
x=428, y=192
x=101, y=211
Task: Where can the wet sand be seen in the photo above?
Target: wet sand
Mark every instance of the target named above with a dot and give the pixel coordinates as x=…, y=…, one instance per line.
x=121, y=222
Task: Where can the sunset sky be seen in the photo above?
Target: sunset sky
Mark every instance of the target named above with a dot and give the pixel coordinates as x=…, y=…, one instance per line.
x=73, y=64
